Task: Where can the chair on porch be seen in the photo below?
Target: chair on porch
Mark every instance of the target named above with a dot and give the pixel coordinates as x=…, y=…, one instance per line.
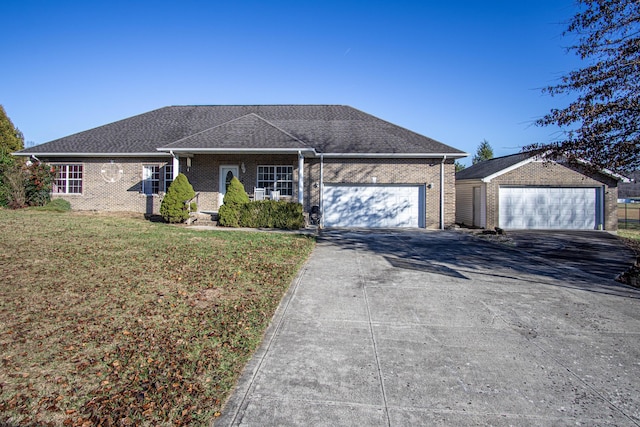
x=258, y=193
x=275, y=195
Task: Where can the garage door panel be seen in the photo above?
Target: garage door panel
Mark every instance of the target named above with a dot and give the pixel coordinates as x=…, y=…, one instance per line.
x=548, y=208
x=374, y=206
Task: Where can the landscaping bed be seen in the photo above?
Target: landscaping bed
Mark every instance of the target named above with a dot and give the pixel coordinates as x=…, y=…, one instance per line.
x=114, y=320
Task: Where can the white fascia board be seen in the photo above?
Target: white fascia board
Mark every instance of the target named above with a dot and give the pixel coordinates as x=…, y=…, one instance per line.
x=307, y=152
x=152, y=154
x=607, y=172
x=509, y=169
x=397, y=155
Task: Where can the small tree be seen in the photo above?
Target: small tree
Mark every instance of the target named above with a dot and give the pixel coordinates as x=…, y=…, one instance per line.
x=484, y=152
x=234, y=198
x=11, y=139
x=235, y=194
x=173, y=208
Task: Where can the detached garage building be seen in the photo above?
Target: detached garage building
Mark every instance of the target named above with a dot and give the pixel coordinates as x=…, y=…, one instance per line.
x=524, y=191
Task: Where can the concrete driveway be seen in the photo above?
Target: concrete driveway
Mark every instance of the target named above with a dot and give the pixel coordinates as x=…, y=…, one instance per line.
x=439, y=328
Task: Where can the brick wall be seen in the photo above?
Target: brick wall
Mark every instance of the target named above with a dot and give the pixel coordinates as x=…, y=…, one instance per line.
x=389, y=171
x=103, y=191
x=125, y=193
x=552, y=174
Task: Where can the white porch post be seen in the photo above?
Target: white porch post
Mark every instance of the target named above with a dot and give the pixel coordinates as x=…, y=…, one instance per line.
x=300, y=178
x=176, y=166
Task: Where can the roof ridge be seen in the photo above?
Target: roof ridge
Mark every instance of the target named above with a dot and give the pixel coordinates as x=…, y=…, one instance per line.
x=280, y=129
x=239, y=118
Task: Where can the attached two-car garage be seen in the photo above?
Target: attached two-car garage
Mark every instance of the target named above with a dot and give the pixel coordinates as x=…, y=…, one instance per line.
x=373, y=206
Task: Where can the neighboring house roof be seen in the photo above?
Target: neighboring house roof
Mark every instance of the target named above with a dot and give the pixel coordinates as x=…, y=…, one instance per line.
x=328, y=129
x=488, y=168
x=492, y=168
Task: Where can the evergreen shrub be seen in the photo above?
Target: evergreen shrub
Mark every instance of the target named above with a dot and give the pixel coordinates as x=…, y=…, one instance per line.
x=173, y=208
x=269, y=214
x=238, y=211
x=56, y=205
x=234, y=198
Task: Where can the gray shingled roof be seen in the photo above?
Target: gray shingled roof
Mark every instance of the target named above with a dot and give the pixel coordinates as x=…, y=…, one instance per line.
x=489, y=167
x=325, y=128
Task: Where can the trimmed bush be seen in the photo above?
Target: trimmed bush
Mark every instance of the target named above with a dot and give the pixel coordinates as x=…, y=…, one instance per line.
x=234, y=199
x=56, y=205
x=235, y=194
x=173, y=208
x=229, y=216
x=238, y=211
x=264, y=214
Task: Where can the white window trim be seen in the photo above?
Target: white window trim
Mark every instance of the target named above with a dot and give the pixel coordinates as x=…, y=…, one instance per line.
x=276, y=166
x=66, y=181
x=168, y=178
x=151, y=180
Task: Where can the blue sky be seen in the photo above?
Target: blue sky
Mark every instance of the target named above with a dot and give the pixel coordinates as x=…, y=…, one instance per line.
x=458, y=72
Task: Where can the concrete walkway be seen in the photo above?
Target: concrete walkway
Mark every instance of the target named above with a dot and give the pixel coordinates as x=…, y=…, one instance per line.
x=438, y=328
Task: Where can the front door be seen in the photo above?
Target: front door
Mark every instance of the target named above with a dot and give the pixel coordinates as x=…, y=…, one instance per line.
x=227, y=172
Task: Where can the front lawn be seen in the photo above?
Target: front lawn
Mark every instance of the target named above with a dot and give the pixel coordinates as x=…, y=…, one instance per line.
x=118, y=321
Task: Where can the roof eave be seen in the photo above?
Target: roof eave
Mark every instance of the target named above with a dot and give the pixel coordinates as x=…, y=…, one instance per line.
x=397, y=155
x=307, y=152
x=76, y=154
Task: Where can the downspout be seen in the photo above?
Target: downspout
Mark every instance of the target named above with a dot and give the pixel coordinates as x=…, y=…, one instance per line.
x=321, y=190
x=602, y=225
x=301, y=178
x=444, y=158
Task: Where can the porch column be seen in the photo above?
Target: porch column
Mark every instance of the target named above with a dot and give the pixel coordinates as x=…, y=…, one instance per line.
x=176, y=166
x=300, y=178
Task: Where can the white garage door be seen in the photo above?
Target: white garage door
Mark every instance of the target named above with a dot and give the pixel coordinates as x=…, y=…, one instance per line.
x=548, y=208
x=373, y=206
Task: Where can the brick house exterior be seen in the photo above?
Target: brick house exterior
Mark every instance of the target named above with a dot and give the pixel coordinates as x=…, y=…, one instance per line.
x=129, y=164
x=543, y=193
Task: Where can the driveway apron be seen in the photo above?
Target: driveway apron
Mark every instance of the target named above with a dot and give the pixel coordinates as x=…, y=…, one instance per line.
x=397, y=328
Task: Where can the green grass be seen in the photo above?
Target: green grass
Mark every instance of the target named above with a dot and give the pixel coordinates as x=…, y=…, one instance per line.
x=120, y=321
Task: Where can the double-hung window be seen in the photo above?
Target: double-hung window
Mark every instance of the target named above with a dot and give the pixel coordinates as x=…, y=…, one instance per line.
x=150, y=179
x=278, y=178
x=68, y=179
x=168, y=176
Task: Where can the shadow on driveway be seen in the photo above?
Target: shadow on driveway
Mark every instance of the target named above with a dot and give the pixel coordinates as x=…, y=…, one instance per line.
x=586, y=260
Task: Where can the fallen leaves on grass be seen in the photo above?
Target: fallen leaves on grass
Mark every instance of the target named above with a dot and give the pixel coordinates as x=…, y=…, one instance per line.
x=117, y=321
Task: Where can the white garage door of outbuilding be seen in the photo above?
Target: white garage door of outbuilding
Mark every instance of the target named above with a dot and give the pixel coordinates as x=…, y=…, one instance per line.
x=542, y=208
x=373, y=206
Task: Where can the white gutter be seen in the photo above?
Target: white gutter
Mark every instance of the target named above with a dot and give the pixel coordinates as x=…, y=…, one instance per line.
x=154, y=154
x=397, y=155
x=240, y=150
x=444, y=158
